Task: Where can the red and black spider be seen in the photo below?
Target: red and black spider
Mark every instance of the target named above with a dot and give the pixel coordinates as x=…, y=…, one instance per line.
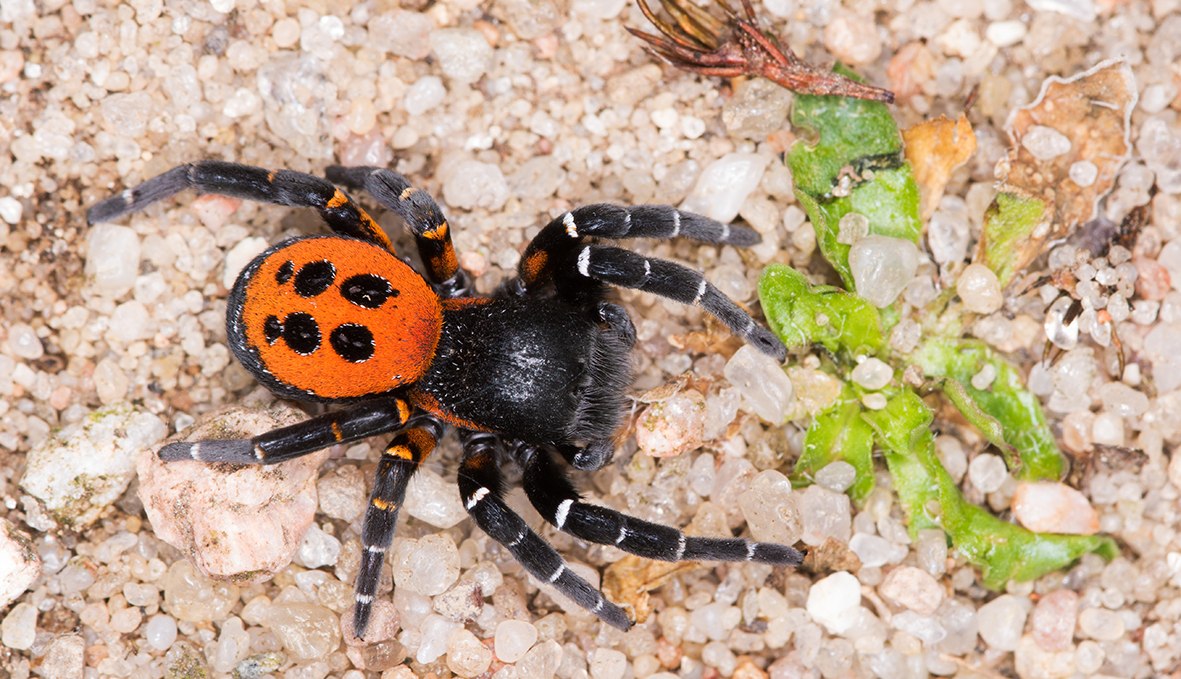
x=540, y=366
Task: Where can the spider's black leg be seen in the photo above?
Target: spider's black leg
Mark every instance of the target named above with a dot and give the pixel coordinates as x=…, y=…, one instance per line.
x=299, y=439
x=480, y=488
x=420, y=212
x=558, y=502
x=282, y=187
x=668, y=279
x=560, y=254
x=564, y=234
x=398, y=463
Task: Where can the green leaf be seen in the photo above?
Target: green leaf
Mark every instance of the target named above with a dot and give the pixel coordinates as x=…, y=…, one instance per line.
x=930, y=498
x=850, y=133
x=840, y=433
x=856, y=165
x=890, y=202
x=1008, y=224
x=803, y=314
x=1006, y=402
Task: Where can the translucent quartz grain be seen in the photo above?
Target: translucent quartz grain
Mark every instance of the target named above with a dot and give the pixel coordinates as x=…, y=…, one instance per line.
x=882, y=267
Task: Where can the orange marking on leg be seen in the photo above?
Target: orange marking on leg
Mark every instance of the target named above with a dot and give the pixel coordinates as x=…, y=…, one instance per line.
x=403, y=410
x=462, y=302
x=383, y=505
x=338, y=199
x=271, y=177
x=429, y=403
x=421, y=442
x=401, y=451
x=407, y=192
x=336, y=432
x=375, y=229
x=437, y=233
x=535, y=265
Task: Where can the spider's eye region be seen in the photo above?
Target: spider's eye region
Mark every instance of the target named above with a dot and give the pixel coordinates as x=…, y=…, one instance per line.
x=314, y=278
x=272, y=329
x=353, y=342
x=283, y=274
x=301, y=333
x=367, y=290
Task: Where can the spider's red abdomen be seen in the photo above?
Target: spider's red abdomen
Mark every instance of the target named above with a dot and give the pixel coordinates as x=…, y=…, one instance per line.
x=333, y=318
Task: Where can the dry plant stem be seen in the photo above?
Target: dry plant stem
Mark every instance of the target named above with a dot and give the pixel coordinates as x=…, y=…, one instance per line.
x=699, y=42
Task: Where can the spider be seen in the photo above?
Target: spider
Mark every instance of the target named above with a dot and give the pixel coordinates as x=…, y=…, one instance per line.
x=538, y=368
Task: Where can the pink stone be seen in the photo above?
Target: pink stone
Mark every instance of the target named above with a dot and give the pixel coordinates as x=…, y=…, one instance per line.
x=214, y=210
x=1047, y=507
x=240, y=522
x=1152, y=279
x=672, y=426
x=1054, y=618
x=19, y=563
x=912, y=588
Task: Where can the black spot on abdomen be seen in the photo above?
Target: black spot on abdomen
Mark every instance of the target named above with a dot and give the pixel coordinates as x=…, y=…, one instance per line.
x=301, y=333
x=314, y=278
x=367, y=290
x=272, y=329
x=352, y=342
x=284, y=273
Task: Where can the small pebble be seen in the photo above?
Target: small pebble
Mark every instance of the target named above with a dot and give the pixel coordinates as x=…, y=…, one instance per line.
x=824, y=514
x=19, y=628
x=987, y=472
x=1005, y=33
x=427, y=566
x=882, y=267
x=424, y=94
x=765, y=387
x=672, y=426
x=471, y=184
x=112, y=259
x=24, y=343
x=912, y=588
x=1048, y=507
x=833, y=600
x=836, y=476
x=874, y=551
x=724, y=185
x=463, y=54
x=1101, y=624
x=160, y=632
x=513, y=639
x=873, y=373
x=980, y=290
x=607, y=663
x=10, y=209
x=1083, y=173
x=1045, y=143
x=466, y=656
x=1054, y=618
x=1002, y=621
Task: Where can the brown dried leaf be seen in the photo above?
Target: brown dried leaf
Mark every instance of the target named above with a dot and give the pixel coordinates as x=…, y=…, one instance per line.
x=830, y=557
x=935, y=148
x=1093, y=110
x=628, y=581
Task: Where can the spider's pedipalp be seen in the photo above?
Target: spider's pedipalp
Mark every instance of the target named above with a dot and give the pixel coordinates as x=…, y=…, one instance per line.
x=416, y=207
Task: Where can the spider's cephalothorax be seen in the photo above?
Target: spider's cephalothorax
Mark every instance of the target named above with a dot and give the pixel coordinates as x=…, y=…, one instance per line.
x=539, y=367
